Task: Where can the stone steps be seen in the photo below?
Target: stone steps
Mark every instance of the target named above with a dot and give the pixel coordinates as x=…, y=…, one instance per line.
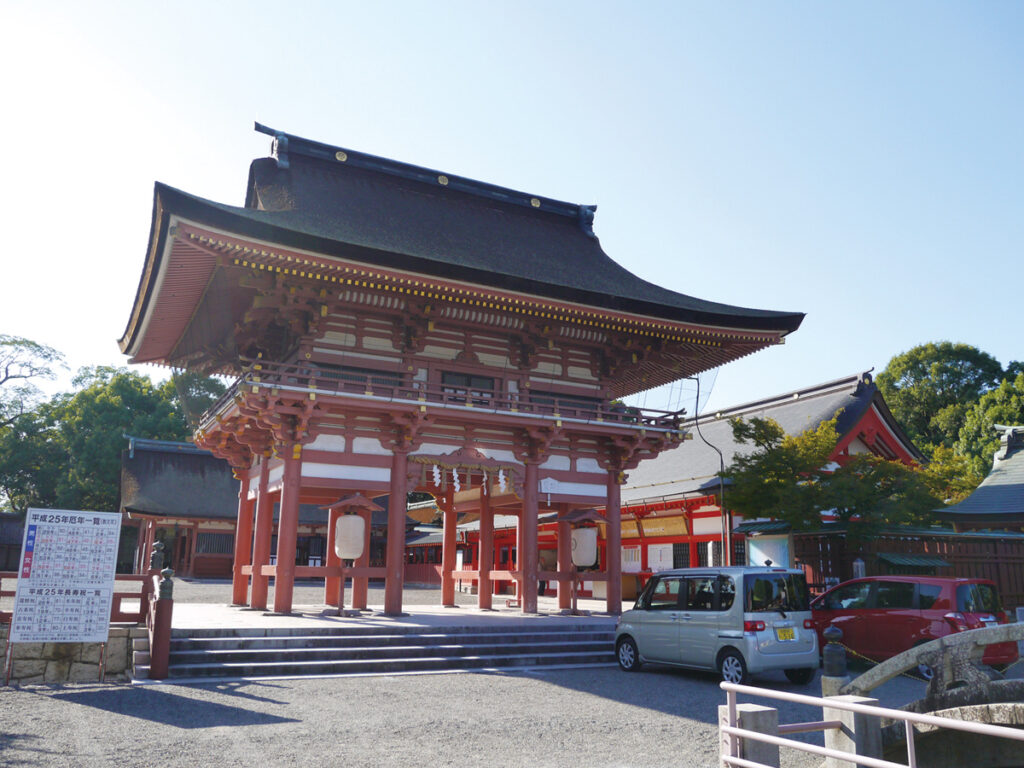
x=295, y=651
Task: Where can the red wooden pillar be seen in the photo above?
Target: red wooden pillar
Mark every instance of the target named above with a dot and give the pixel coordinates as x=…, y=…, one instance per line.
x=527, y=554
x=331, y=583
x=564, y=562
x=360, y=585
x=261, y=541
x=613, y=552
x=192, y=549
x=243, y=544
x=448, y=549
x=140, y=546
x=288, y=529
x=395, y=569
x=485, y=588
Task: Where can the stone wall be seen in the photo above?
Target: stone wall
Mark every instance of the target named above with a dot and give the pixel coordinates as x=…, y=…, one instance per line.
x=38, y=663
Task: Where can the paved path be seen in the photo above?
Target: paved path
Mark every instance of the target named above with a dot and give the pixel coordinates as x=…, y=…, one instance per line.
x=570, y=717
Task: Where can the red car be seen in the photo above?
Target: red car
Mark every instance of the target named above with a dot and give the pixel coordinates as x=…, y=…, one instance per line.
x=882, y=616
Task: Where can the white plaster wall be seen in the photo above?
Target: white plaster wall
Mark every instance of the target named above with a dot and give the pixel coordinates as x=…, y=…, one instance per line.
x=345, y=472
x=560, y=463
x=335, y=443
x=369, y=446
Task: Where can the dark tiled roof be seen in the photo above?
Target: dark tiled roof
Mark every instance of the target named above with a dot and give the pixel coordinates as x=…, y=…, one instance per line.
x=692, y=466
x=460, y=228
x=763, y=526
x=396, y=215
x=162, y=481
x=1001, y=493
x=161, y=478
x=898, y=558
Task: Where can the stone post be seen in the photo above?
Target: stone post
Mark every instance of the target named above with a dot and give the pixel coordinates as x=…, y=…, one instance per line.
x=752, y=717
x=833, y=672
x=859, y=735
x=156, y=559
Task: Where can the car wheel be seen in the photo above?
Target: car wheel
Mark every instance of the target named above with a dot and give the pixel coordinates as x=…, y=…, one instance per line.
x=733, y=668
x=627, y=654
x=799, y=676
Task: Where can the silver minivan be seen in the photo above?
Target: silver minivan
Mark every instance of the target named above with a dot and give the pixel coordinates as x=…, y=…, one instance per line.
x=736, y=620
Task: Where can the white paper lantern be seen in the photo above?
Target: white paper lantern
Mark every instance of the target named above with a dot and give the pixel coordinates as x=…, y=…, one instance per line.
x=349, y=534
x=584, y=547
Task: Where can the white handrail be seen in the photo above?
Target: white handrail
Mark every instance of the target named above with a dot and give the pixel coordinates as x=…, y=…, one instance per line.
x=893, y=714
x=735, y=733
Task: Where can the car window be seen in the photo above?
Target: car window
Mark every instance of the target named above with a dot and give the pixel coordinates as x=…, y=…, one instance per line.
x=700, y=593
x=895, y=594
x=927, y=594
x=776, y=592
x=977, y=598
x=726, y=592
x=848, y=596
x=664, y=596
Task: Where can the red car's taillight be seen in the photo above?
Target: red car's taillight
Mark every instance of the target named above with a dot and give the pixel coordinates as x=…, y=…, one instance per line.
x=808, y=623
x=753, y=626
x=957, y=620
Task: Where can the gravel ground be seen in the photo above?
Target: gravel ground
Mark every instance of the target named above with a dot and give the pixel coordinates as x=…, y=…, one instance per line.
x=583, y=717
x=570, y=717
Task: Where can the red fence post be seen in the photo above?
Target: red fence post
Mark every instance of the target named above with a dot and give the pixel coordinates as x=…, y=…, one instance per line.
x=161, y=606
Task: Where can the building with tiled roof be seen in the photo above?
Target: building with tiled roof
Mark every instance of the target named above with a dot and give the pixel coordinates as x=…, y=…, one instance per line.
x=999, y=501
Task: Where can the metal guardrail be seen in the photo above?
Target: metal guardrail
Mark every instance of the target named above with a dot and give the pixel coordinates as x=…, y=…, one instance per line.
x=731, y=745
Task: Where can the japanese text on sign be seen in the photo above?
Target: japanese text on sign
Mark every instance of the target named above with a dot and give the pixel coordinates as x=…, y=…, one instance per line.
x=66, y=578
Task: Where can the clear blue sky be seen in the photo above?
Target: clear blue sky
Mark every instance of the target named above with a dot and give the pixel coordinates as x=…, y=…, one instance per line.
x=860, y=162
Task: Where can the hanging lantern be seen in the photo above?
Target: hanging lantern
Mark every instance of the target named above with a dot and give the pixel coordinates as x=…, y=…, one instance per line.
x=349, y=536
x=584, y=547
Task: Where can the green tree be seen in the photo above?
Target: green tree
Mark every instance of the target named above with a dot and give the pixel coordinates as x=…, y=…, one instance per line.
x=191, y=394
x=952, y=476
x=782, y=477
x=930, y=387
x=92, y=423
x=23, y=362
x=978, y=438
x=791, y=478
x=31, y=460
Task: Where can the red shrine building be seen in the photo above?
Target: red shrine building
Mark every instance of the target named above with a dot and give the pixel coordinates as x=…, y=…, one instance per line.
x=672, y=508
x=393, y=328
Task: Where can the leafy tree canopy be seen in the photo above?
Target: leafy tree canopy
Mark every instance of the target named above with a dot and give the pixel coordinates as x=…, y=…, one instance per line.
x=930, y=387
x=66, y=453
x=791, y=478
x=978, y=438
x=22, y=363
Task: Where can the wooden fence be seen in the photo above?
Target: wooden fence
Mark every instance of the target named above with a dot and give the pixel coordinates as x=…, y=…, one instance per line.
x=828, y=557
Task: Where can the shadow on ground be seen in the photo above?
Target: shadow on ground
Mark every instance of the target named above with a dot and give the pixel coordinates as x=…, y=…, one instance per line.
x=164, y=706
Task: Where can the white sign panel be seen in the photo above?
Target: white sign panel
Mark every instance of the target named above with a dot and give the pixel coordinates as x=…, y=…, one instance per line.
x=66, y=578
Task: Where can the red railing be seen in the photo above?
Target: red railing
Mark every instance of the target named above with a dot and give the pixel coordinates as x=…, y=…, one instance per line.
x=118, y=614
x=309, y=377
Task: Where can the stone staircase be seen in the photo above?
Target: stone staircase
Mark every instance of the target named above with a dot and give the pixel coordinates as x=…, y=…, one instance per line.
x=361, y=650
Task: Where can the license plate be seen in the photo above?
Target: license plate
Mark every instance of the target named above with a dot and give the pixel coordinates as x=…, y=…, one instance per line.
x=785, y=633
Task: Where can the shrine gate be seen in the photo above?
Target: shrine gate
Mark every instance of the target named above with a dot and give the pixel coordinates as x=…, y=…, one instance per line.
x=392, y=328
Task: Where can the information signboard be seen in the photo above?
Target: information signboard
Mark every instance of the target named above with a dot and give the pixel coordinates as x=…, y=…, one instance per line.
x=66, y=578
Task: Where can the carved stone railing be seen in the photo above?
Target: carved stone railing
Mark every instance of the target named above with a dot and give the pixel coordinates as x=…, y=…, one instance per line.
x=955, y=660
